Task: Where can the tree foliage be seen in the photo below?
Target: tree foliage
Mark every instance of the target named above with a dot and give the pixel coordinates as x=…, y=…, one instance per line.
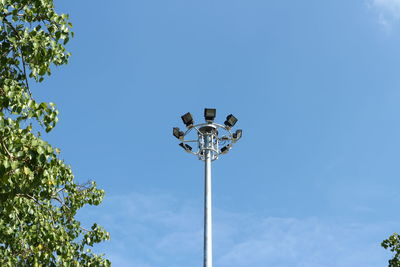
x=393, y=243
x=38, y=195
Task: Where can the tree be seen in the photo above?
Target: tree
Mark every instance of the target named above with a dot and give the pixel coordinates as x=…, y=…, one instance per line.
x=393, y=243
x=39, y=197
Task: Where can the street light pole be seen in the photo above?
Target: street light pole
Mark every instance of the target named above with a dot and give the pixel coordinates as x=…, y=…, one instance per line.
x=208, y=143
x=207, y=209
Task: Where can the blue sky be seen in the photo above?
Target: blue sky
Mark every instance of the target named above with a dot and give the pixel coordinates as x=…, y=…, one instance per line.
x=315, y=85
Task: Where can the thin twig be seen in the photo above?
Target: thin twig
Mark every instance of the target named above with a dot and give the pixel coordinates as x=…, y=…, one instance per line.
x=84, y=229
x=28, y=196
x=5, y=148
x=26, y=77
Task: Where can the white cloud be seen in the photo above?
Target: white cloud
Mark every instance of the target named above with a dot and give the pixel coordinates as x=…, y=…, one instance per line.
x=392, y=6
x=388, y=12
x=304, y=243
x=158, y=230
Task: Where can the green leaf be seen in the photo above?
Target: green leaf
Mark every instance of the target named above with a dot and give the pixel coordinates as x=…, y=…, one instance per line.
x=27, y=171
x=14, y=165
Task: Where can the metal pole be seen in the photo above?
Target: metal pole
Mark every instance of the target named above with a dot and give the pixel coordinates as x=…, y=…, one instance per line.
x=207, y=207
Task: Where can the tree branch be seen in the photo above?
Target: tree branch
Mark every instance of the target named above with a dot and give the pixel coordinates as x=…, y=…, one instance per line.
x=5, y=148
x=22, y=55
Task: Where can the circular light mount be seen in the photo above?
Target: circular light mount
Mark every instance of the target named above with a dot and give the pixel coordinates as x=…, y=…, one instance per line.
x=207, y=137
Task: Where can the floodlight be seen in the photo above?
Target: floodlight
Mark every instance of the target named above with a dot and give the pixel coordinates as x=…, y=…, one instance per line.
x=230, y=121
x=187, y=119
x=186, y=147
x=225, y=149
x=237, y=135
x=178, y=133
x=209, y=114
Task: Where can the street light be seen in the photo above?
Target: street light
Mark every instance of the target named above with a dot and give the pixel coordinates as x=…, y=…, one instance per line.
x=208, y=142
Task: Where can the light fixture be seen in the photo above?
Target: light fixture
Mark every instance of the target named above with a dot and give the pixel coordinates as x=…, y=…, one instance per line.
x=225, y=149
x=230, y=121
x=237, y=135
x=187, y=119
x=209, y=114
x=186, y=147
x=178, y=133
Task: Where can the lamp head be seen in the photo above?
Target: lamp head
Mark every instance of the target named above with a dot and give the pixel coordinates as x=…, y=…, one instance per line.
x=230, y=121
x=178, y=133
x=186, y=147
x=187, y=119
x=225, y=149
x=209, y=114
x=237, y=135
